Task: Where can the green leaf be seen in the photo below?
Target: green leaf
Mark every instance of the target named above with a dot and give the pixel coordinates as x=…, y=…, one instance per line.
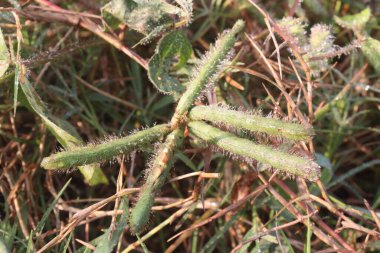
x=356, y=21
x=173, y=44
x=63, y=131
x=149, y=17
x=371, y=49
x=4, y=55
x=142, y=15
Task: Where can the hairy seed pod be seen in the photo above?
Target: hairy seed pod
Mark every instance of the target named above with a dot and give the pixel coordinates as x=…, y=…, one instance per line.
x=140, y=213
x=253, y=123
x=96, y=153
x=291, y=164
x=156, y=178
x=209, y=66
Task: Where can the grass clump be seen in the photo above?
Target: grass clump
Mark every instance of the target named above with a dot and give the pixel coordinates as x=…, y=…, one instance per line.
x=206, y=177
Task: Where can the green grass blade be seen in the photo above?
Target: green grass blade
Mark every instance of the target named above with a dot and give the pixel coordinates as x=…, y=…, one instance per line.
x=41, y=223
x=353, y=172
x=29, y=248
x=65, y=246
x=286, y=240
x=307, y=247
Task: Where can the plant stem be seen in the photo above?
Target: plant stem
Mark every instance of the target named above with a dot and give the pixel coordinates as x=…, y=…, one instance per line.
x=95, y=153
x=254, y=123
x=292, y=164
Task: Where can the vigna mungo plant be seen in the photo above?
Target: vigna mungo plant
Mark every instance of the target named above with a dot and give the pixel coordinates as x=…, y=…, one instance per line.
x=218, y=126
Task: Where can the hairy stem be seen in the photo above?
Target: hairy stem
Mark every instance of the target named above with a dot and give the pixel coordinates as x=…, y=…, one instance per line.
x=156, y=178
x=292, y=164
x=207, y=70
x=254, y=123
x=95, y=153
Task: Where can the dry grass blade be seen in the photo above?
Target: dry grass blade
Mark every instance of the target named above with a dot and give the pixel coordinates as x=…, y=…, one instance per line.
x=259, y=235
x=55, y=13
x=83, y=214
x=223, y=211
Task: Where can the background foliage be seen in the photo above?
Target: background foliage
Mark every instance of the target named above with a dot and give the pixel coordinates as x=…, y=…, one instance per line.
x=76, y=72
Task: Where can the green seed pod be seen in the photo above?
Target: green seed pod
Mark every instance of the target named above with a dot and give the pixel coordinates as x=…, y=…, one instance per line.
x=207, y=69
x=96, y=153
x=253, y=123
x=156, y=178
x=291, y=164
x=141, y=212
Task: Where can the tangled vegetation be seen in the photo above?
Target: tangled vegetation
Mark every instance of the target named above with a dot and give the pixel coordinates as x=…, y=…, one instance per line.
x=209, y=126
